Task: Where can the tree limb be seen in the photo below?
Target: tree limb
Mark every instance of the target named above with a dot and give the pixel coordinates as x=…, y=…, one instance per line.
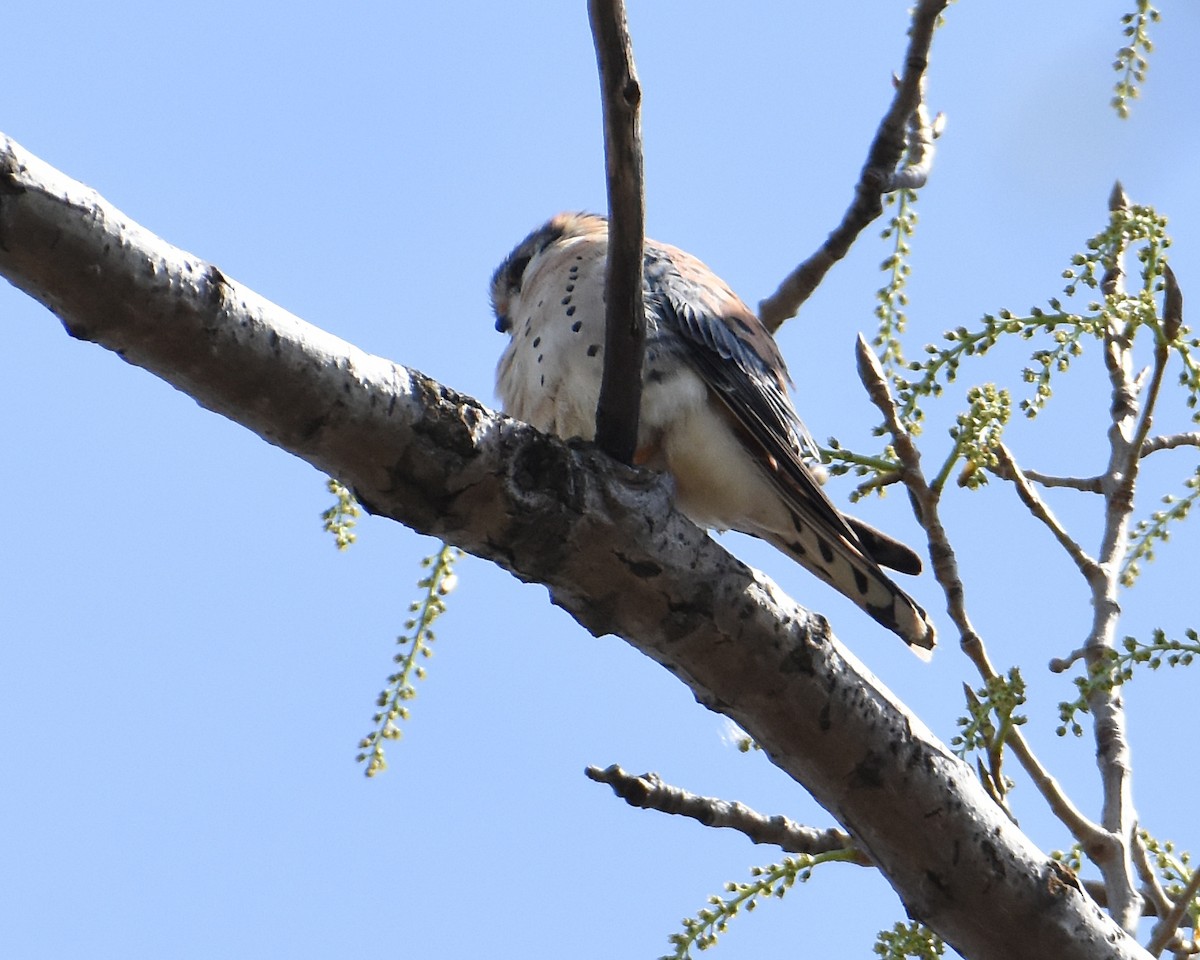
x=878, y=176
x=1165, y=929
x=601, y=537
x=1152, y=889
x=1083, y=484
x=650, y=792
x=1037, y=506
x=1109, y=723
x=624, y=317
x=1154, y=444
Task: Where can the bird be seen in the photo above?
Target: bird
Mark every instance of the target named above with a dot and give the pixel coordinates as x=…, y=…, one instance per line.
x=716, y=413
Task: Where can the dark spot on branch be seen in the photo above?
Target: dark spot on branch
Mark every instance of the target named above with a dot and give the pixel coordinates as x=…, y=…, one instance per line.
x=988, y=849
x=640, y=568
x=798, y=660
x=867, y=772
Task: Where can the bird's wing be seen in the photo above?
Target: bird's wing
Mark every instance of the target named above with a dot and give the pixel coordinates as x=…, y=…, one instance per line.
x=739, y=360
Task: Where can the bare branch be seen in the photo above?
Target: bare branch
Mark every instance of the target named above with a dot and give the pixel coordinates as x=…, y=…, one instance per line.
x=925, y=505
x=1142, y=431
x=1109, y=727
x=1085, y=484
x=1170, y=442
x=876, y=179
x=602, y=538
x=1151, y=887
x=650, y=792
x=1037, y=506
x=625, y=321
x=1063, y=664
x=1165, y=929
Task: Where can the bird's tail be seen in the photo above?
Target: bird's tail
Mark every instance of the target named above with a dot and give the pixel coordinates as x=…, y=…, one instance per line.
x=848, y=567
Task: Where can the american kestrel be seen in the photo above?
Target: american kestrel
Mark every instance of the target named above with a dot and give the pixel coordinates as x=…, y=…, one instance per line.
x=715, y=411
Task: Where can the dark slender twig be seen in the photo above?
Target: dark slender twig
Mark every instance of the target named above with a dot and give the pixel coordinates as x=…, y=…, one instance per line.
x=649, y=792
x=625, y=321
x=877, y=177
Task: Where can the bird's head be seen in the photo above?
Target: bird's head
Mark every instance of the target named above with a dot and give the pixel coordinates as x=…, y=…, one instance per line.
x=520, y=265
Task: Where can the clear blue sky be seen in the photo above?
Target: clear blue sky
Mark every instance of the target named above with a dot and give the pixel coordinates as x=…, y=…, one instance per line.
x=186, y=663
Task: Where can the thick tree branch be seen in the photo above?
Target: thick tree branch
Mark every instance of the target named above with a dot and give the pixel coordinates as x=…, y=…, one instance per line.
x=650, y=792
x=878, y=176
x=625, y=321
x=602, y=538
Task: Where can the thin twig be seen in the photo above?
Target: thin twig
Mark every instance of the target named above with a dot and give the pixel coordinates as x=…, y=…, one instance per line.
x=1151, y=887
x=1154, y=444
x=1143, y=428
x=1086, y=484
x=874, y=181
x=1038, y=507
x=649, y=792
x=878, y=482
x=1165, y=929
x=625, y=322
x=1063, y=664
